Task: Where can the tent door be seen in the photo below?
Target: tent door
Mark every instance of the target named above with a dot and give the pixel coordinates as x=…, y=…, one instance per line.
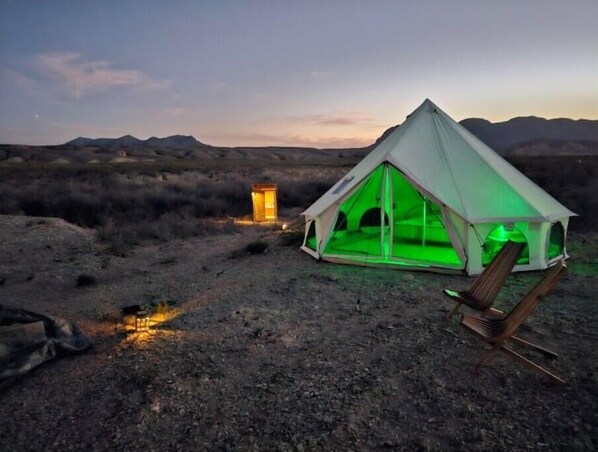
x=419, y=232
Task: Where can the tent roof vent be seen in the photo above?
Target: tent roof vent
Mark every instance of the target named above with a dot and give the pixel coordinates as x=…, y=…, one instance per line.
x=343, y=184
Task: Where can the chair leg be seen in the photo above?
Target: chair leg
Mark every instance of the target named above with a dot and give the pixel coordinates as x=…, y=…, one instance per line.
x=455, y=309
x=488, y=355
x=542, y=350
x=531, y=364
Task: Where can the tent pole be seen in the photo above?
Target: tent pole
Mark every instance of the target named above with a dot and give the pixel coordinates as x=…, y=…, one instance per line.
x=424, y=225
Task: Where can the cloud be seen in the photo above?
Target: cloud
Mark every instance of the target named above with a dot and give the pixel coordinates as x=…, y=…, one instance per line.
x=289, y=139
x=81, y=78
x=339, y=118
x=340, y=129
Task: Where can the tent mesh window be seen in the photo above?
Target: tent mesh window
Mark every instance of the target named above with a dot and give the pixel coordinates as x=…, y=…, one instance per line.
x=361, y=232
x=310, y=240
x=497, y=238
x=556, y=241
x=341, y=222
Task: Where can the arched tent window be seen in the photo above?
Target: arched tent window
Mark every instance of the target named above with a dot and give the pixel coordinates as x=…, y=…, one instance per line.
x=496, y=239
x=310, y=240
x=371, y=219
x=556, y=240
x=341, y=221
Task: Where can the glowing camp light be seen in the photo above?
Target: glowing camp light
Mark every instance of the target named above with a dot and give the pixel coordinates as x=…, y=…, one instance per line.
x=142, y=321
x=264, y=203
x=285, y=226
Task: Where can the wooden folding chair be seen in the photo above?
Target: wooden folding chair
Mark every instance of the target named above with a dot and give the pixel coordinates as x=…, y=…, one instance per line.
x=497, y=331
x=484, y=290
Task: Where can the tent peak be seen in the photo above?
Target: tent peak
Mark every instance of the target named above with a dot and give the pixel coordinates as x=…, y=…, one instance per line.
x=428, y=105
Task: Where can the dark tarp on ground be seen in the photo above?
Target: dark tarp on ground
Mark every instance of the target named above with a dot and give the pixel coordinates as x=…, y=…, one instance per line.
x=28, y=339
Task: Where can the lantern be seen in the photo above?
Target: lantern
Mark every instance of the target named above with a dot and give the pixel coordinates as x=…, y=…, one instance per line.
x=142, y=321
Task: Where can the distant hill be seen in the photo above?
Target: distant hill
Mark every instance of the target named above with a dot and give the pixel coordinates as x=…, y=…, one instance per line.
x=501, y=136
x=174, y=141
x=548, y=148
x=532, y=135
x=504, y=137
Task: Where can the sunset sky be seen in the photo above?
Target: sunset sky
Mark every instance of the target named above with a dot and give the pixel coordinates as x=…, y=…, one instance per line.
x=322, y=73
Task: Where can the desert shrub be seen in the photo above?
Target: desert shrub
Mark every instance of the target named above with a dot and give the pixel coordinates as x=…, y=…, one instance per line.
x=91, y=200
x=84, y=280
x=33, y=208
x=292, y=238
x=120, y=239
x=257, y=247
x=303, y=193
x=128, y=205
x=117, y=240
x=9, y=202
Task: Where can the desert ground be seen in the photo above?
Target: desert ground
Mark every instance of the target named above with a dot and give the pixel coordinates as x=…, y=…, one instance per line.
x=269, y=351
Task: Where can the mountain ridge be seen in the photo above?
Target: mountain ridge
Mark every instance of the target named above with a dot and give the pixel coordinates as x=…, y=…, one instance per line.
x=172, y=141
x=500, y=136
x=503, y=135
x=520, y=136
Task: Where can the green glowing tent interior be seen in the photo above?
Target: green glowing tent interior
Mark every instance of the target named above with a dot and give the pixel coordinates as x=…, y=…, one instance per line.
x=432, y=196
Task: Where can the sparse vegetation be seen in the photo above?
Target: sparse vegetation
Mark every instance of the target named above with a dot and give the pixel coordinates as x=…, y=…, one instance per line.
x=257, y=247
x=571, y=180
x=129, y=207
x=292, y=238
x=85, y=280
x=160, y=201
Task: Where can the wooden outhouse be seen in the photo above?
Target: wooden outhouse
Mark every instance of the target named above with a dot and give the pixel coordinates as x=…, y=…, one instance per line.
x=264, y=203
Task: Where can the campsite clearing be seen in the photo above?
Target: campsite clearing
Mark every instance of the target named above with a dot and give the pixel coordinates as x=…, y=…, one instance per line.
x=268, y=351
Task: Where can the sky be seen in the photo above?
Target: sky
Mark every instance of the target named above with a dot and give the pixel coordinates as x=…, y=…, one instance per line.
x=322, y=73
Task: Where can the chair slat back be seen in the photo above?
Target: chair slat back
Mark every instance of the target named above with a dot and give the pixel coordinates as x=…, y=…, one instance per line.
x=530, y=301
x=486, y=287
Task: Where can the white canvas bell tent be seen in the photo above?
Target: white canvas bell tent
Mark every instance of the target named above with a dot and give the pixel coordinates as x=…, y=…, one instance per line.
x=433, y=196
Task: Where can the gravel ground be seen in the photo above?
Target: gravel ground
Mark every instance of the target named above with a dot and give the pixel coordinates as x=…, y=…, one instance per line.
x=269, y=352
